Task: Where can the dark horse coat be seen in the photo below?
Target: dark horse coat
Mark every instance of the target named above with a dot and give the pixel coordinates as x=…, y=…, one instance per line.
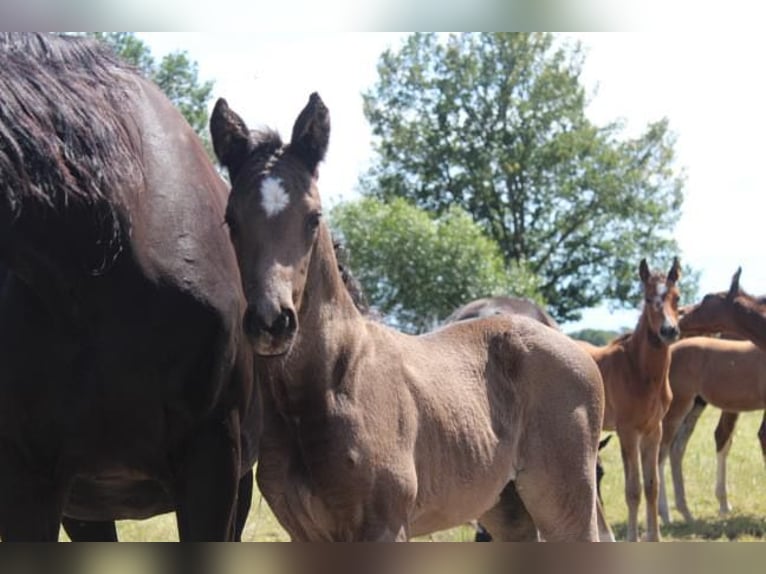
x=125, y=389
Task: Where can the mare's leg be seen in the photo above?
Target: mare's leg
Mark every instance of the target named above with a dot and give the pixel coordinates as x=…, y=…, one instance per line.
x=30, y=504
x=762, y=436
x=509, y=520
x=677, y=452
x=650, y=448
x=206, y=485
x=89, y=531
x=244, y=500
x=724, y=433
x=629, y=442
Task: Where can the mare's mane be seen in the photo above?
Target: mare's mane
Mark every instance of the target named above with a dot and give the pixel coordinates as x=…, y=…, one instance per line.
x=64, y=122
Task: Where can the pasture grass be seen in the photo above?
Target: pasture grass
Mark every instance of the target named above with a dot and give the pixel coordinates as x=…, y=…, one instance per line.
x=746, y=482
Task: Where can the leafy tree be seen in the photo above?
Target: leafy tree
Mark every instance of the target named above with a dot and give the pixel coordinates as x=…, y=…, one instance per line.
x=495, y=123
x=175, y=74
x=416, y=268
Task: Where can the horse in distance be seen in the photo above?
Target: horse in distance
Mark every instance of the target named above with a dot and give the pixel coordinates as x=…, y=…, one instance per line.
x=634, y=368
x=730, y=375
x=733, y=312
x=125, y=382
x=500, y=304
x=372, y=434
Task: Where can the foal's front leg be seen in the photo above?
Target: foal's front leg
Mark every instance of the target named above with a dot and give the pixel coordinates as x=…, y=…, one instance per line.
x=650, y=448
x=629, y=443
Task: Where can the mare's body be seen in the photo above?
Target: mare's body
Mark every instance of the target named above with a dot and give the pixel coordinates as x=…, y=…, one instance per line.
x=730, y=375
x=125, y=383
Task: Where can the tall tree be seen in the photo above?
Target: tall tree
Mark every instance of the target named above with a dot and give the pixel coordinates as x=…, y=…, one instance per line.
x=495, y=123
x=175, y=74
x=416, y=268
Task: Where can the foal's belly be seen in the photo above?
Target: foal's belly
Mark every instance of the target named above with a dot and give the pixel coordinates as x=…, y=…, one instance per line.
x=451, y=496
x=116, y=498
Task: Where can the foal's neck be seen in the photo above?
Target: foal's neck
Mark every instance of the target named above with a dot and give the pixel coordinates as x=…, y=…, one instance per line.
x=650, y=354
x=329, y=325
x=750, y=322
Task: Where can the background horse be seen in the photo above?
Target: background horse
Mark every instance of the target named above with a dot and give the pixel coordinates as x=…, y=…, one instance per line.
x=372, y=434
x=634, y=368
x=733, y=312
x=499, y=305
x=511, y=305
x=125, y=383
x=730, y=375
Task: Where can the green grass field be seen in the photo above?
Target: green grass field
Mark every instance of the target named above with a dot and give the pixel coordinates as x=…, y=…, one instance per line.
x=746, y=481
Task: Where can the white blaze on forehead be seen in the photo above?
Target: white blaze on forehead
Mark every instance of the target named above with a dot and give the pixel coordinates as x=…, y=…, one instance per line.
x=274, y=198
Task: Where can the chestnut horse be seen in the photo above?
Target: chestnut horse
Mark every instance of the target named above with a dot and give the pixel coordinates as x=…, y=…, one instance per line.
x=125, y=382
x=730, y=375
x=372, y=434
x=634, y=368
x=733, y=312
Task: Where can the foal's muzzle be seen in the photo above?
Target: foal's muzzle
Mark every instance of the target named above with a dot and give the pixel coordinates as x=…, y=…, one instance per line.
x=669, y=333
x=272, y=338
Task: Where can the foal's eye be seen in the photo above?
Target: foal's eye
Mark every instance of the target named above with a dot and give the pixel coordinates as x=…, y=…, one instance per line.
x=312, y=221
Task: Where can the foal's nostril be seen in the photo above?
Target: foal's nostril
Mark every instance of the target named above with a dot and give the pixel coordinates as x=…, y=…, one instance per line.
x=669, y=331
x=284, y=325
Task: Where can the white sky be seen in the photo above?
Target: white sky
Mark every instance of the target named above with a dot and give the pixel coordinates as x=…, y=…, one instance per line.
x=708, y=84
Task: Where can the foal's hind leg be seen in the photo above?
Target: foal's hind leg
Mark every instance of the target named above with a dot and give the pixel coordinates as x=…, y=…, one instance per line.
x=678, y=450
x=723, y=434
x=509, y=520
x=762, y=436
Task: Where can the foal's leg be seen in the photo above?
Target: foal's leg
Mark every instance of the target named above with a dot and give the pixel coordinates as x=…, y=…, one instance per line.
x=677, y=426
x=677, y=452
x=724, y=433
x=650, y=447
x=509, y=520
x=629, y=440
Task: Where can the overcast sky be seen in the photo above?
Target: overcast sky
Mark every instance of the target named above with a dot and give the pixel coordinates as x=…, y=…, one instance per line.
x=709, y=85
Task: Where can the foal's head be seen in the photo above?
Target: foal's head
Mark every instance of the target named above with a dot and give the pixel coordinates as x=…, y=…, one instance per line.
x=273, y=215
x=661, y=301
x=717, y=312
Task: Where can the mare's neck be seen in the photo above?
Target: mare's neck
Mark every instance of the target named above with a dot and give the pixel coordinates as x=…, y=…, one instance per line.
x=649, y=353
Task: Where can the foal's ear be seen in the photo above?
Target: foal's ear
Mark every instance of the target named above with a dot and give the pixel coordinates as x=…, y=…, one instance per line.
x=231, y=138
x=675, y=271
x=643, y=271
x=311, y=132
x=734, y=288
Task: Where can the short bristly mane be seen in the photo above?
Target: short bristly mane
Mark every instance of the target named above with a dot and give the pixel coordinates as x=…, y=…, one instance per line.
x=63, y=118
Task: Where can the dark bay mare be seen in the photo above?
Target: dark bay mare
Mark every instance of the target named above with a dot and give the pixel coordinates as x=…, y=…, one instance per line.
x=125, y=384
x=372, y=434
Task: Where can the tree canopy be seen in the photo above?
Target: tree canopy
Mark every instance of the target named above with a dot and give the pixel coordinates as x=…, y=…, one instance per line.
x=416, y=268
x=496, y=124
